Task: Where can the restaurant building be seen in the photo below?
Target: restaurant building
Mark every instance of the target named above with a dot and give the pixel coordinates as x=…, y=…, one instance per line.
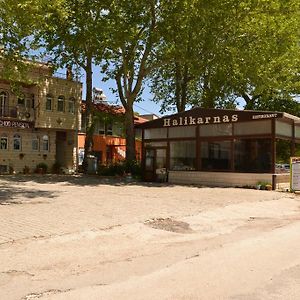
x=217, y=147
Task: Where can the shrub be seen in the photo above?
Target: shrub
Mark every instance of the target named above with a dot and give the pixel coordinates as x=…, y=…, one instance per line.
x=41, y=168
x=56, y=168
x=120, y=169
x=26, y=170
x=111, y=169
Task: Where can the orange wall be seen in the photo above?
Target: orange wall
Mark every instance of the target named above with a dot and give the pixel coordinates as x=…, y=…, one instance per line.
x=119, y=145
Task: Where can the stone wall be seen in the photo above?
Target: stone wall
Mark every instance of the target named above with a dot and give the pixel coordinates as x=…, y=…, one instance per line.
x=16, y=160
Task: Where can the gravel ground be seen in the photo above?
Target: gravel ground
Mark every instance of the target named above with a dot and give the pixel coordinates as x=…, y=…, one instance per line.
x=76, y=237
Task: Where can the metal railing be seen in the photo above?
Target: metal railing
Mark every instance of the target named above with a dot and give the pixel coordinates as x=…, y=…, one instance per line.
x=17, y=112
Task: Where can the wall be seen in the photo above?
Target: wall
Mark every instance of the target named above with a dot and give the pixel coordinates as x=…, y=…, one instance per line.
x=56, y=119
x=31, y=158
x=218, y=178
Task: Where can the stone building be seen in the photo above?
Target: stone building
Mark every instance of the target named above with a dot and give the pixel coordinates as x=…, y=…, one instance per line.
x=38, y=120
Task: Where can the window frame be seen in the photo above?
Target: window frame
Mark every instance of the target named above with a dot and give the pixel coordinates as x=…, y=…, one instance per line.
x=4, y=137
x=61, y=99
x=49, y=97
x=17, y=137
x=45, y=141
x=71, y=105
x=36, y=138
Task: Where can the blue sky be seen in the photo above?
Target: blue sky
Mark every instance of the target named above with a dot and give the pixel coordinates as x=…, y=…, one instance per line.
x=144, y=107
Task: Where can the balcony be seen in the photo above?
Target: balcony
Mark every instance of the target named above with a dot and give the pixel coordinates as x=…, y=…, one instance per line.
x=21, y=113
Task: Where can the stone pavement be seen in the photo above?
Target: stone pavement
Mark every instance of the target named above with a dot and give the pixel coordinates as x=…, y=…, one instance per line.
x=65, y=236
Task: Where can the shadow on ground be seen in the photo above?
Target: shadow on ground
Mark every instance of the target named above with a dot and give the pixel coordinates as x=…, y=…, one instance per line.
x=79, y=180
x=14, y=195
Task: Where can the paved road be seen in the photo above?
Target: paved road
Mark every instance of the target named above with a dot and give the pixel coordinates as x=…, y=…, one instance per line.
x=85, y=238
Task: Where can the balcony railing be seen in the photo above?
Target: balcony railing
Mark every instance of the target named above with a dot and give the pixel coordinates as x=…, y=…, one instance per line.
x=17, y=112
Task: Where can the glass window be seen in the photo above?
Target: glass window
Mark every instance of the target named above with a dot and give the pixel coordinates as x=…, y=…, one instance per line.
x=71, y=105
x=297, y=132
x=216, y=155
x=284, y=129
x=45, y=145
x=156, y=144
x=21, y=100
x=118, y=129
x=109, y=128
x=183, y=155
x=253, y=127
x=155, y=133
x=35, y=144
x=216, y=130
x=186, y=131
x=17, y=142
x=3, y=104
x=3, y=142
x=48, y=102
x=253, y=155
x=101, y=128
x=28, y=103
x=149, y=161
x=61, y=103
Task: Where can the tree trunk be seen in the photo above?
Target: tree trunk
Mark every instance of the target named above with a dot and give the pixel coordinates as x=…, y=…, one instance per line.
x=88, y=145
x=130, y=134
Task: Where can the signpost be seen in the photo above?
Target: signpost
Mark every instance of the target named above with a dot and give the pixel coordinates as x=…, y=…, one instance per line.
x=295, y=174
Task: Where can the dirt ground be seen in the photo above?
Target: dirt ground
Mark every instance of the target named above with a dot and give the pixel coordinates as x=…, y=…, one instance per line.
x=64, y=237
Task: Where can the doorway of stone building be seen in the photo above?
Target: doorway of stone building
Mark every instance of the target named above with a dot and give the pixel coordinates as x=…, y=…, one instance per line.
x=61, y=147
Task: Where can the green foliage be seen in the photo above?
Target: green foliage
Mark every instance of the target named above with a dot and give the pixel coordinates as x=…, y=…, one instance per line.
x=56, y=168
x=214, y=52
x=283, y=151
x=41, y=168
x=121, y=169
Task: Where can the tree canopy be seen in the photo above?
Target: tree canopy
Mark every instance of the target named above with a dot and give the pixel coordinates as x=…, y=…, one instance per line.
x=215, y=52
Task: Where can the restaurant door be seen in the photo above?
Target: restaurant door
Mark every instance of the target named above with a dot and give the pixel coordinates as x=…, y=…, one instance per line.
x=155, y=164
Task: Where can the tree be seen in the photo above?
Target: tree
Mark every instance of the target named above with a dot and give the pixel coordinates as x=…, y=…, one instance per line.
x=265, y=51
x=130, y=55
x=69, y=33
x=218, y=51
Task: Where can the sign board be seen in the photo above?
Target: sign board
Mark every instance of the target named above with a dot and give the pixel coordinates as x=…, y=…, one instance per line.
x=15, y=124
x=295, y=173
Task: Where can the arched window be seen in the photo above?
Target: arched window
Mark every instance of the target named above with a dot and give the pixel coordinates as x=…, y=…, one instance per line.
x=3, y=104
x=3, y=142
x=71, y=105
x=49, y=102
x=45, y=144
x=17, y=142
x=61, y=103
x=35, y=143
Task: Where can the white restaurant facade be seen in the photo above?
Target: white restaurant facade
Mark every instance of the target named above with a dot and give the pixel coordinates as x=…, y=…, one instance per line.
x=217, y=147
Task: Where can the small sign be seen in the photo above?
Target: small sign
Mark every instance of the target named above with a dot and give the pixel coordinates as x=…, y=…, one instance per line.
x=14, y=124
x=295, y=173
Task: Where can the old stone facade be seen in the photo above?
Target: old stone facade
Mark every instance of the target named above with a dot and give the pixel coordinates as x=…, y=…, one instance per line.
x=39, y=121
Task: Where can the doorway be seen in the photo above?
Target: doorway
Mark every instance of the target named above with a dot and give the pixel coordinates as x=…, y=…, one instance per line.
x=155, y=164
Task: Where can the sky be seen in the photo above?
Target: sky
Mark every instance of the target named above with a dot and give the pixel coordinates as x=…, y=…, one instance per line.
x=144, y=107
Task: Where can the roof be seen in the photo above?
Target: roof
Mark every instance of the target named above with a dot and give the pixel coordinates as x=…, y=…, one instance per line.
x=113, y=109
x=202, y=116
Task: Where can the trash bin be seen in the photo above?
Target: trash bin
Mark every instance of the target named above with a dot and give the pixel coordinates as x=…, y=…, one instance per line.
x=92, y=164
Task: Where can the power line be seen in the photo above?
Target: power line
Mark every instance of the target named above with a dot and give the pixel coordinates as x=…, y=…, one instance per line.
x=150, y=112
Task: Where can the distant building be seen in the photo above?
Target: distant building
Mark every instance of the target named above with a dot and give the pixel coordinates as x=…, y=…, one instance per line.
x=38, y=121
x=150, y=117
x=109, y=143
